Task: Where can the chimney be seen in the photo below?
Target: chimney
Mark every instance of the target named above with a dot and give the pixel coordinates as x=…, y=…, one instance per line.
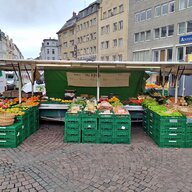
x=74, y=14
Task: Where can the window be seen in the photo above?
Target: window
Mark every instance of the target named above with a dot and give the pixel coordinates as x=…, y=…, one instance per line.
x=107, y=44
x=180, y=54
x=149, y=14
x=163, y=31
x=114, y=42
x=114, y=26
x=47, y=51
x=141, y=56
x=53, y=51
x=109, y=13
x=189, y=50
x=182, y=4
x=157, y=33
x=114, y=57
x=108, y=29
x=170, y=30
x=169, y=54
x=172, y=6
x=143, y=16
x=142, y=36
x=104, y=15
x=156, y=55
x=189, y=3
x=65, y=55
x=157, y=11
x=47, y=43
x=65, y=44
x=47, y=58
x=120, y=25
x=136, y=37
x=102, y=30
x=120, y=57
x=121, y=9
x=181, y=28
x=137, y=17
x=120, y=42
x=148, y=35
x=189, y=26
x=165, y=9
x=114, y=10
x=107, y=58
x=102, y=45
x=53, y=58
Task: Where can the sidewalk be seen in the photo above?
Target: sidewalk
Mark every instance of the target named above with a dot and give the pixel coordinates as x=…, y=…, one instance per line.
x=45, y=163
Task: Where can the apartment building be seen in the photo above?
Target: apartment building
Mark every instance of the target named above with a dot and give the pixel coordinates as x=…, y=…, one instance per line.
x=86, y=42
x=113, y=30
x=160, y=30
x=8, y=50
x=49, y=49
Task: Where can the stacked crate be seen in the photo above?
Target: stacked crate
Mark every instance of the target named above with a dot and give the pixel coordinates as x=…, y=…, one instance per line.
x=146, y=120
x=188, y=138
x=25, y=126
x=89, y=128
x=122, y=129
x=106, y=128
x=11, y=136
x=72, y=131
x=167, y=131
x=36, y=117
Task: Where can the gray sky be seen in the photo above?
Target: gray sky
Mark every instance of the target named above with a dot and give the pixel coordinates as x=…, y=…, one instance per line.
x=28, y=22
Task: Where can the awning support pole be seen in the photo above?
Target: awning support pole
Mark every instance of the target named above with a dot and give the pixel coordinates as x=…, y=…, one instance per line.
x=176, y=89
x=163, y=83
x=20, y=84
x=98, y=83
x=32, y=78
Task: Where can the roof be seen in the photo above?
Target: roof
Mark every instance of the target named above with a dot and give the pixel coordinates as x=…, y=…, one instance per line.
x=167, y=67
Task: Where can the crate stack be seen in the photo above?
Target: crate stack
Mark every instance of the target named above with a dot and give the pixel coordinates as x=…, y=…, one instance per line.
x=106, y=128
x=11, y=136
x=97, y=128
x=167, y=132
x=72, y=131
x=188, y=139
x=122, y=129
x=146, y=120
x=89, y=128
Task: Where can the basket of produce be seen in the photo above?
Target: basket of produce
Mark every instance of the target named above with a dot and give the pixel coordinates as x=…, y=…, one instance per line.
x=6, y=119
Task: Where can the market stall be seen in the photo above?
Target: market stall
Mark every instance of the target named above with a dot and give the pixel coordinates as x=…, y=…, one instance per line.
x=111, y=127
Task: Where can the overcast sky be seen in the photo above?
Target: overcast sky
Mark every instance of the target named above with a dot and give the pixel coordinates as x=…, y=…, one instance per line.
x=28, y=22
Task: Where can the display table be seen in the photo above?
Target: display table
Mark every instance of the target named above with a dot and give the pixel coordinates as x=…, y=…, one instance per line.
x=57, y=112
x=136, y=112
x=54, y=112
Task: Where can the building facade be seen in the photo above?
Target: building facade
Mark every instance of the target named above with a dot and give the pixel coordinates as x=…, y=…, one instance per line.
x=113, y=30
x=86, y=41
x=49, y=50
x=8, y=50
x=160, y=30
x=67, y=38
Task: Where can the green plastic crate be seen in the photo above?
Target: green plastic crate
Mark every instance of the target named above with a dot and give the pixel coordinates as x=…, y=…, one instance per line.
x=89, y=136
x=171, y=143
x=106, y=126
x=124, y=140
x=11, y=136
x=72, y=139
x=89, y=123
x=106, y=133
x=188, y=143
x=106, y=140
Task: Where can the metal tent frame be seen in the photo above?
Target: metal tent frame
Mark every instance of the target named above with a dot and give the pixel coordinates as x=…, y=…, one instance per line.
x=177, y=68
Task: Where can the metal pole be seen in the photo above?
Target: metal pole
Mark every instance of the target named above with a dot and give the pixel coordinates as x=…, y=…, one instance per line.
x=176, y=89
x=98, y=83
x=32, y=78
x=163, y=84
x=20, y=95
x=183, y=90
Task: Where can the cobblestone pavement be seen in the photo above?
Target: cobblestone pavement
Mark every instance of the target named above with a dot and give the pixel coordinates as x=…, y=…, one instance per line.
x=44, y=163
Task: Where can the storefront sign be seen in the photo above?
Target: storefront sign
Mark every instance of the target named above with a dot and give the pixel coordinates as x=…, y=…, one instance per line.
x=185, y=39
x=90, y=79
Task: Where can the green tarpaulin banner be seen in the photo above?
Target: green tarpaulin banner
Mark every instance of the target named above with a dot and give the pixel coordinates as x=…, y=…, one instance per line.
x=56, y=84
